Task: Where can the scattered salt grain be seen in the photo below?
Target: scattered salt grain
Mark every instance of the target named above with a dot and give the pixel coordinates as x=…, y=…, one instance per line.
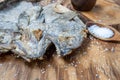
x=101, y=32
x=49, y=65
x=97, y=75
x=84, y=53
x=1, y=65
x=106, y=49
x=91, y=37
x=75, y=65
x=112, y=49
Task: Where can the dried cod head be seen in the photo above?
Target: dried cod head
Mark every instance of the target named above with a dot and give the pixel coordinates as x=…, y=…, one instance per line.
x=28, y=30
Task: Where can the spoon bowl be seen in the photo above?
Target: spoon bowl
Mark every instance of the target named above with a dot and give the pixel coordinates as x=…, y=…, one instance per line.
x=114, y=37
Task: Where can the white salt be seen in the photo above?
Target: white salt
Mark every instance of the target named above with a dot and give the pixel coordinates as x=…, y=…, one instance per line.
x=100, y=32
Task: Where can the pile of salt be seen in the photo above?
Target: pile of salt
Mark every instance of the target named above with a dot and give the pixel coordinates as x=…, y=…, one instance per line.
x=100, y=32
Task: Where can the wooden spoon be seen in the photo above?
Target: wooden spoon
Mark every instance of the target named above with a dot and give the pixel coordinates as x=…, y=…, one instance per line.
x=115, y=37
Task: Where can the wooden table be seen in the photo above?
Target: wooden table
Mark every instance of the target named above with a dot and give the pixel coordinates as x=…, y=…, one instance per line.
x=94, y=60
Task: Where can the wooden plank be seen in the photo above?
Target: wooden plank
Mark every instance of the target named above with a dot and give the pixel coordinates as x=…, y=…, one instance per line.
x=105, y=11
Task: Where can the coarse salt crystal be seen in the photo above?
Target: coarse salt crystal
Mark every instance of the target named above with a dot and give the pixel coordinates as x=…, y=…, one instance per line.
x=101, y=32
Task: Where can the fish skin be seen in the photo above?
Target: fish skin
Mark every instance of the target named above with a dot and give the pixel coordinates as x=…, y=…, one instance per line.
x=64, y=30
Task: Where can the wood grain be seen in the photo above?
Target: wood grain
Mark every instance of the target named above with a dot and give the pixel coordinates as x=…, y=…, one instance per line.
x=117, y=2
x=105, y=11
x=94, y=60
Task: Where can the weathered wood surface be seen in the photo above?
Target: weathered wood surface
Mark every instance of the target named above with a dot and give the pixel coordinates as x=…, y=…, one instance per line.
x=94, y=60
x=105, y=11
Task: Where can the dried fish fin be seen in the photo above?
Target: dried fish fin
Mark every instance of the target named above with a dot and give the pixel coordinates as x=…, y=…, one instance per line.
x=34, y=12
x=77, y=19
x=56, y=15
x=23, y=20
x=43, y=45
x=6, y=47
x=6, y=36
x=7, y=25
x=60, y=9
